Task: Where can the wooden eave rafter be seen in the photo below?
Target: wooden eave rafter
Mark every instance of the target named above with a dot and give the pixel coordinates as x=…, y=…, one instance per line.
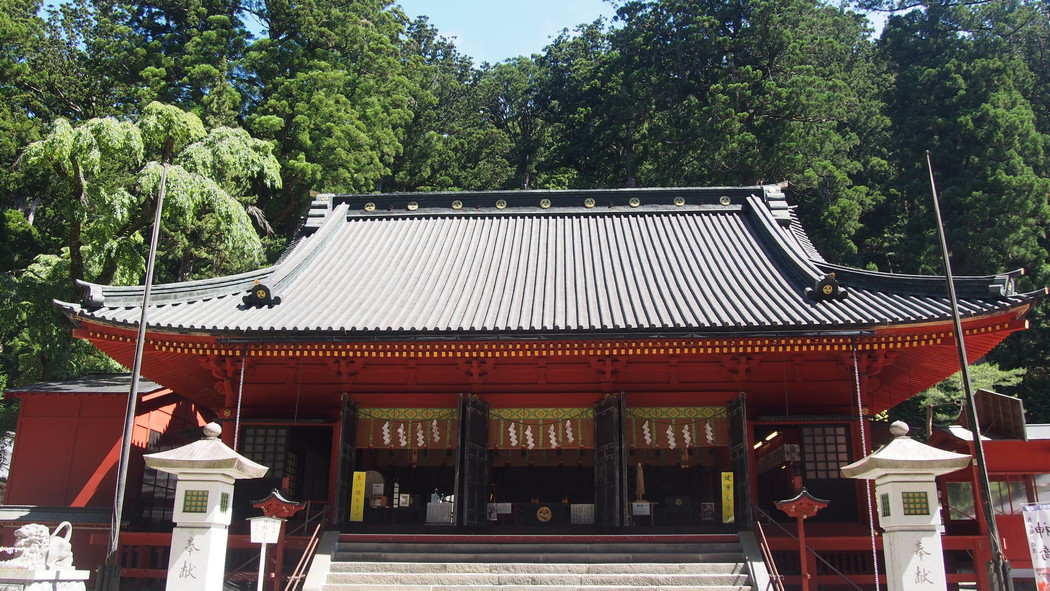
x=894, y=337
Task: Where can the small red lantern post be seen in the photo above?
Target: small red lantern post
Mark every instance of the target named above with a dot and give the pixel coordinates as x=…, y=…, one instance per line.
x=278, y=507
x=800, y=507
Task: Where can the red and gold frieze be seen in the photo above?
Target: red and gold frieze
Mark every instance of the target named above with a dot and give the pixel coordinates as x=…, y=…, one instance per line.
x=509, y=349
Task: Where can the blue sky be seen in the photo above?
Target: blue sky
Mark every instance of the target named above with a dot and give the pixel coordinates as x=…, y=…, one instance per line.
x=494, y=30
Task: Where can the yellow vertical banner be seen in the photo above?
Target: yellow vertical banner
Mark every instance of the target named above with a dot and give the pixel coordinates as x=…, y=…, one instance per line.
x=357, y=498
x=728, y=515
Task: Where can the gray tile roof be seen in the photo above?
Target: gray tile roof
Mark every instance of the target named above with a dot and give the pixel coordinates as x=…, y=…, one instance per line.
x=90, y=384
x=45, y=514
x=651, y=262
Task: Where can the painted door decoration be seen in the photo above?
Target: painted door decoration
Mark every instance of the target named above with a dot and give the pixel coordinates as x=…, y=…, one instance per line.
x=472, y=462
x=345, y=462
x=610, y=463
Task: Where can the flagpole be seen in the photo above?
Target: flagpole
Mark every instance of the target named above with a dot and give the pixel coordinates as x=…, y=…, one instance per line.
x=998, y=568
x=109, y=572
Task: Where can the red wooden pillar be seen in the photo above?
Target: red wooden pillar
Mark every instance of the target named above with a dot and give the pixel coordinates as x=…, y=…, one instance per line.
x=982, y=554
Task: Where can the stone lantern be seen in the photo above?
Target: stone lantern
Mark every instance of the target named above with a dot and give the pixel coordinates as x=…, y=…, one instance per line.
x=904, y=472
x=206, y=471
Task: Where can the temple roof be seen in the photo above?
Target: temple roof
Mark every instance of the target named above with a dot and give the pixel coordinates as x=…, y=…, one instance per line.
x=690, y=262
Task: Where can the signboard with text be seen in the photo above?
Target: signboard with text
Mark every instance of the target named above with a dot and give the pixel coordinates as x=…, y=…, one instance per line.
x=357, y=498
x=1037, y=526
x=728, y=515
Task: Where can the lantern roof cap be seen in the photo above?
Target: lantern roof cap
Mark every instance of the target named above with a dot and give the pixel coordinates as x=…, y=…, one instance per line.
x=209, y=455
x=904, y=455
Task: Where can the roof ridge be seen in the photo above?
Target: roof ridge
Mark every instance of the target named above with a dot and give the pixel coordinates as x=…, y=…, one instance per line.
x=977, y=286
x=293, y=262
x=796, y=259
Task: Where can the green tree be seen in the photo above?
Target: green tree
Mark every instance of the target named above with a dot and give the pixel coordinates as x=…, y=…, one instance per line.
x=756, y=92
x=726, y=93
x=327, y=86
x=961, y=95
x=946, y=401
x=598, y=107
x=448, y=143
x=37, y=344
x=104, y=178
x=508, y=101
x=964, y=91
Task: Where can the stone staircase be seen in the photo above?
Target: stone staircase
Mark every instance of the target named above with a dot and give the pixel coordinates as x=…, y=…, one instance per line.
x=549, y=563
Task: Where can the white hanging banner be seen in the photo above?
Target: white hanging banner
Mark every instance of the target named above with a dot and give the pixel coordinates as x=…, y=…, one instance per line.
x=1037, y=524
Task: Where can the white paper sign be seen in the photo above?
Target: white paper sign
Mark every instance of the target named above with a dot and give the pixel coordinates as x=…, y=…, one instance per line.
x=1037, y=525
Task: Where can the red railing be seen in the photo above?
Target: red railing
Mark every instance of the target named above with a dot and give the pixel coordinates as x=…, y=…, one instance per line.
x=775, y=580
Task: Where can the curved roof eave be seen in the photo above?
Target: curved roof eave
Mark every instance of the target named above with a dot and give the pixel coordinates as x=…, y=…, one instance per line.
x=291, y=263
x=1019, y=308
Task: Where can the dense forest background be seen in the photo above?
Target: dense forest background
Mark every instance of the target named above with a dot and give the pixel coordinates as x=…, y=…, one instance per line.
x=252, y=104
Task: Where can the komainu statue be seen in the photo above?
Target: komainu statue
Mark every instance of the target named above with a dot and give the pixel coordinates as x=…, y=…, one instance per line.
x=36, y=547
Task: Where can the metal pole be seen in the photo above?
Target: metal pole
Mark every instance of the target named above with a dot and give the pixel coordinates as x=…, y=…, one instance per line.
x=998, y=568
x=262, y=567
x=109, y=576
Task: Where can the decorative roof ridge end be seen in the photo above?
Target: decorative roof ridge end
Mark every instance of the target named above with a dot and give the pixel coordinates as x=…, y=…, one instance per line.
x=997, y=286
x=97, y=295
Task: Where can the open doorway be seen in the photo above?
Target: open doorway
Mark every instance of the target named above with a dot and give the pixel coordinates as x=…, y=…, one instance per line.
x=298, y=458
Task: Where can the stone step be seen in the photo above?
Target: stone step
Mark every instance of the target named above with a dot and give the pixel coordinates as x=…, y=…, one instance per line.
x=359, y=563
x=525, y=547
x=541, y=578
x=537, y=552
x=721, y=568
x=374, y=587
x=547, y=558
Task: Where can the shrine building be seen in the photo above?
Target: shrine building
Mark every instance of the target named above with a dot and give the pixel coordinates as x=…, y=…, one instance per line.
x=535, y=359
